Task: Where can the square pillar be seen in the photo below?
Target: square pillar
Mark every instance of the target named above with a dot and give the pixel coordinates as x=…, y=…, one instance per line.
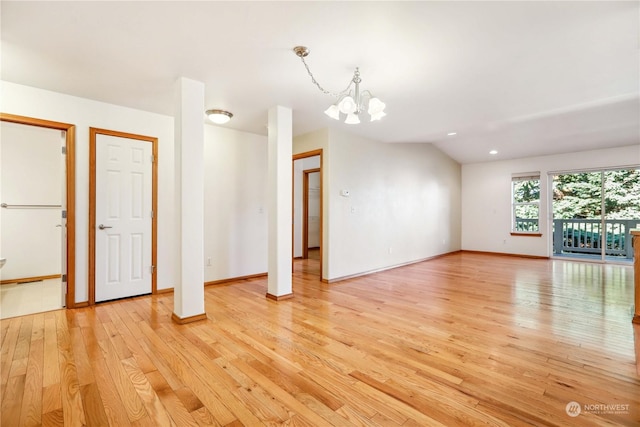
x=280, y=150
x=188, y=295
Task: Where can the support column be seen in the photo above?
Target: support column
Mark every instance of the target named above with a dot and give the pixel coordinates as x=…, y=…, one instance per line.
x=188, y=294
x=280, y=149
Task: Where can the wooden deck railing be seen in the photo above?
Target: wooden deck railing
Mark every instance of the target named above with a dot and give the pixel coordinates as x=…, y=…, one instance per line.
x=588, y=236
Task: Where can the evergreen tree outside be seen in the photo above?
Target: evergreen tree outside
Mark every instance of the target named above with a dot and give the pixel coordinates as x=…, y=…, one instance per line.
x=579, y=195
x=526, y=204
x=622, y=194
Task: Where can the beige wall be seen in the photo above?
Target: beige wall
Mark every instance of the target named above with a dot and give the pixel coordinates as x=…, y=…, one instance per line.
x=486, y=197
x=235, y=204
x=403, y=204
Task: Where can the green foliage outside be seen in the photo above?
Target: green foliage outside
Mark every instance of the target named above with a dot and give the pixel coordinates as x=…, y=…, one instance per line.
x=579, y=195
x=526, y=198
x=526, y=191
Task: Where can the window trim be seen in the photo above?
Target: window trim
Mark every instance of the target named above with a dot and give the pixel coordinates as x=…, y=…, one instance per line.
x=527, y=234
x=518, y=177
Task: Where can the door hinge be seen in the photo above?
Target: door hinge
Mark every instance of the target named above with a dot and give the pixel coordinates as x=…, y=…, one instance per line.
x=64, y=150
x=152, y=269
x=64, y=278
x=153, y=158
x=64, y=288
x=64, y=214
x=152, y=214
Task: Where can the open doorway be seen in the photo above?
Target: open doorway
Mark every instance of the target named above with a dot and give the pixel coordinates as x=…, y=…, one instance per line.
x=593, y=213
x=311, y=214
x=36, y=216
x=307, y=208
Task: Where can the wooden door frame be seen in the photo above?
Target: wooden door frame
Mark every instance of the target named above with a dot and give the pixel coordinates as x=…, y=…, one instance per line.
x=305, y=210
x=305, y=155
x=70, y=185
x=93, y=133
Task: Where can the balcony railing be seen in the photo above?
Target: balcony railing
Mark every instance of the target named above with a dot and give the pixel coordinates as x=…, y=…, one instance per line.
x=527, y=224
x=585, y=236
x=588, y=236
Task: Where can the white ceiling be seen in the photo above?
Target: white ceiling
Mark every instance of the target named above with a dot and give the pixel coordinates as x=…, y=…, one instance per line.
x=524, y=78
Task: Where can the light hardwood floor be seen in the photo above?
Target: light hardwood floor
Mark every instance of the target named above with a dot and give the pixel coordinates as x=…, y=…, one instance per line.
x=466, y=339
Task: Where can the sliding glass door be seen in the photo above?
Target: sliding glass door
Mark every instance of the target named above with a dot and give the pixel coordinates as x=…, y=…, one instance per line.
x=593, y=213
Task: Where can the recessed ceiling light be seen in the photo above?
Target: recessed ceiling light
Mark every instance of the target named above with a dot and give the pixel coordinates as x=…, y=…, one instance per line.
x=492, y=152
x=452, y=133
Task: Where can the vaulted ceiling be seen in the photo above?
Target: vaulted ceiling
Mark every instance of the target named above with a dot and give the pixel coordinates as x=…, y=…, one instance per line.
x=523, y=78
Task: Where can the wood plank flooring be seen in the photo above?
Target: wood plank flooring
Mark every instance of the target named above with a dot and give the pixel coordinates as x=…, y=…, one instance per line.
x=463, y=340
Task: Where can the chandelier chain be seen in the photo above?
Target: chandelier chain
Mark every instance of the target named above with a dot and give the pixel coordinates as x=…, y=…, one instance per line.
x=323, y=90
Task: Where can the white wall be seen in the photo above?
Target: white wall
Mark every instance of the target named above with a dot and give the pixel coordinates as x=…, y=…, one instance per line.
x=404, y=204
x=486, y=197
x=85, y=113
x=235, y=224
x=31, y=173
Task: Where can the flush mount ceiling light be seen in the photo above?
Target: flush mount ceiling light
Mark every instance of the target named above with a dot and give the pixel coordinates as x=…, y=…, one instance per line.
x=348, y=102
x=219, y=117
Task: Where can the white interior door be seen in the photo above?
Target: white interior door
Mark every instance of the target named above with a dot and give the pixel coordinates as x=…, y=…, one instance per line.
x=123, y=217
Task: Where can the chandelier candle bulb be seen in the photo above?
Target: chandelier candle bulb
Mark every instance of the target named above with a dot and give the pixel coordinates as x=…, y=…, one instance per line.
x=333, y=111
x=347, y=105
x=376, y=109
x=352, y=119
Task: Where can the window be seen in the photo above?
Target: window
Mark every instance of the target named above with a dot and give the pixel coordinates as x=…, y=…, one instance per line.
x=525, y=197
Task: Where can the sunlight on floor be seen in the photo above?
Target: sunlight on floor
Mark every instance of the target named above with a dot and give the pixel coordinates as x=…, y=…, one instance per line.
x=29, y=298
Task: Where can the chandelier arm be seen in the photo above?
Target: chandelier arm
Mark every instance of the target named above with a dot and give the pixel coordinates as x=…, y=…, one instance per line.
x=367, y=93
x=323, y=90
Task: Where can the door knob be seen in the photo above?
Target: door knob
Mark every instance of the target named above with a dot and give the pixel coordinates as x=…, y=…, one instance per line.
x=102, y=227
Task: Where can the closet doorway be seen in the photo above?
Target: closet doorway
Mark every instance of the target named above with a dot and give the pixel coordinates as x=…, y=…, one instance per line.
x=37, y=215
x=311, y=213
x=307, y=207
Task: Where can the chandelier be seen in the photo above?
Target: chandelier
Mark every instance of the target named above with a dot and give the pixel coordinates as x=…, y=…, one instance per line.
x=349, y=102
